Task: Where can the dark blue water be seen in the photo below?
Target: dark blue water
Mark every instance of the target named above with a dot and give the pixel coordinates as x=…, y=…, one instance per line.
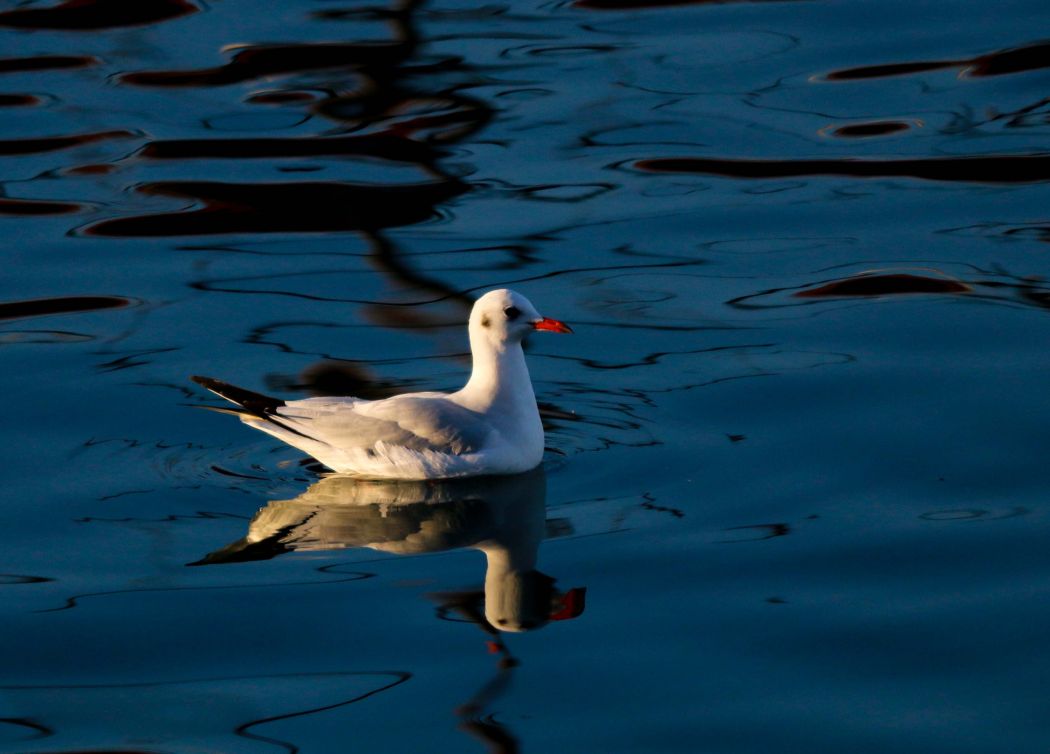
x=795, y=491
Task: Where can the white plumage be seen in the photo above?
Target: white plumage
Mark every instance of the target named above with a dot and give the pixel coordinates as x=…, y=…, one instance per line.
x=490, y=426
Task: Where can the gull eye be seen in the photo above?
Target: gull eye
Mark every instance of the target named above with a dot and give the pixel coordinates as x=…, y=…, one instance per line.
x=512, y=312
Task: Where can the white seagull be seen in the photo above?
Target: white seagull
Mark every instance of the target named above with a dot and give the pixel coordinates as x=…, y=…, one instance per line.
x=490, y=426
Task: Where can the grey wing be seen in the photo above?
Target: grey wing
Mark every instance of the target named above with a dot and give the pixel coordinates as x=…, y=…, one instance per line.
x=418, y=422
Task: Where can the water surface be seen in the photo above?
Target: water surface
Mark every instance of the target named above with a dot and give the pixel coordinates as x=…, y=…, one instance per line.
x=794, y=489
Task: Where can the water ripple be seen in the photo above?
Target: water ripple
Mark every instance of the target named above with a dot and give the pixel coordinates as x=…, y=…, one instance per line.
x=252, y=62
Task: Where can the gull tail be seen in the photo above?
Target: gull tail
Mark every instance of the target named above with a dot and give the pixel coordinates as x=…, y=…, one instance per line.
x=251, y=404
x=253, y=407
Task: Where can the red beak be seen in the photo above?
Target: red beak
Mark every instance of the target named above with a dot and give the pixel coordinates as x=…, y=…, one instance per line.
x=571, y=604
x=551, y=325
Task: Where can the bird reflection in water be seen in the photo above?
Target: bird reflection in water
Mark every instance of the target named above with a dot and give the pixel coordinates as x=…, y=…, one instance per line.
x=502, y=516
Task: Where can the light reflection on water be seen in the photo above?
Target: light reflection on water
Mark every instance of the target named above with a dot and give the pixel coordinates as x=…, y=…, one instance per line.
x=794, y=450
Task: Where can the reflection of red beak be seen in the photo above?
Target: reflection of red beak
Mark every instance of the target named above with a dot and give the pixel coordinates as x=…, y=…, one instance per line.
x=551, y=325
x=571, y=604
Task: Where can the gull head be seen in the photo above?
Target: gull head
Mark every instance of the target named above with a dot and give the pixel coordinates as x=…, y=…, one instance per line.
x=505, y=316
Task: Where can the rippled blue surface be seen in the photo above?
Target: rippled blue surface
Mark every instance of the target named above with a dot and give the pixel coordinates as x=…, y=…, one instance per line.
x=796, y=449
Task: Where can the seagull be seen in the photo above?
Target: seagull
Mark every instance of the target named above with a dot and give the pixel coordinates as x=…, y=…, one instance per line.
x=490, y=426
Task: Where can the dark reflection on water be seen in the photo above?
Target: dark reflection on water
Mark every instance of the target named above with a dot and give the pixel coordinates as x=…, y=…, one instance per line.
x=642, y=4
x=758, y=532
x=267, y=208
x=18, y=100
x=45, y=306
x=1005, y=168
x=877, y=128
x=30, y=207
x=871, y=284
x=32, y=730
x=46, y=63
x=54, y=143
x=328, y=378
x=7, y=579
x=999, y=63
x=881, y=285
x=92, y=15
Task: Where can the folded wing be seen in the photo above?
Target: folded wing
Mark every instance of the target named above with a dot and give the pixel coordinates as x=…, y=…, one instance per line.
x=422, y=421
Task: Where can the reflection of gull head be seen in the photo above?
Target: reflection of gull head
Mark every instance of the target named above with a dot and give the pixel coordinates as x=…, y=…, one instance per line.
x=517, y=600
x=503, y=516
x=525, y=600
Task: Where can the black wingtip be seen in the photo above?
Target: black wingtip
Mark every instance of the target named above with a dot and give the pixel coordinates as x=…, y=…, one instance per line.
x=243, y=551
x=254, y=403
